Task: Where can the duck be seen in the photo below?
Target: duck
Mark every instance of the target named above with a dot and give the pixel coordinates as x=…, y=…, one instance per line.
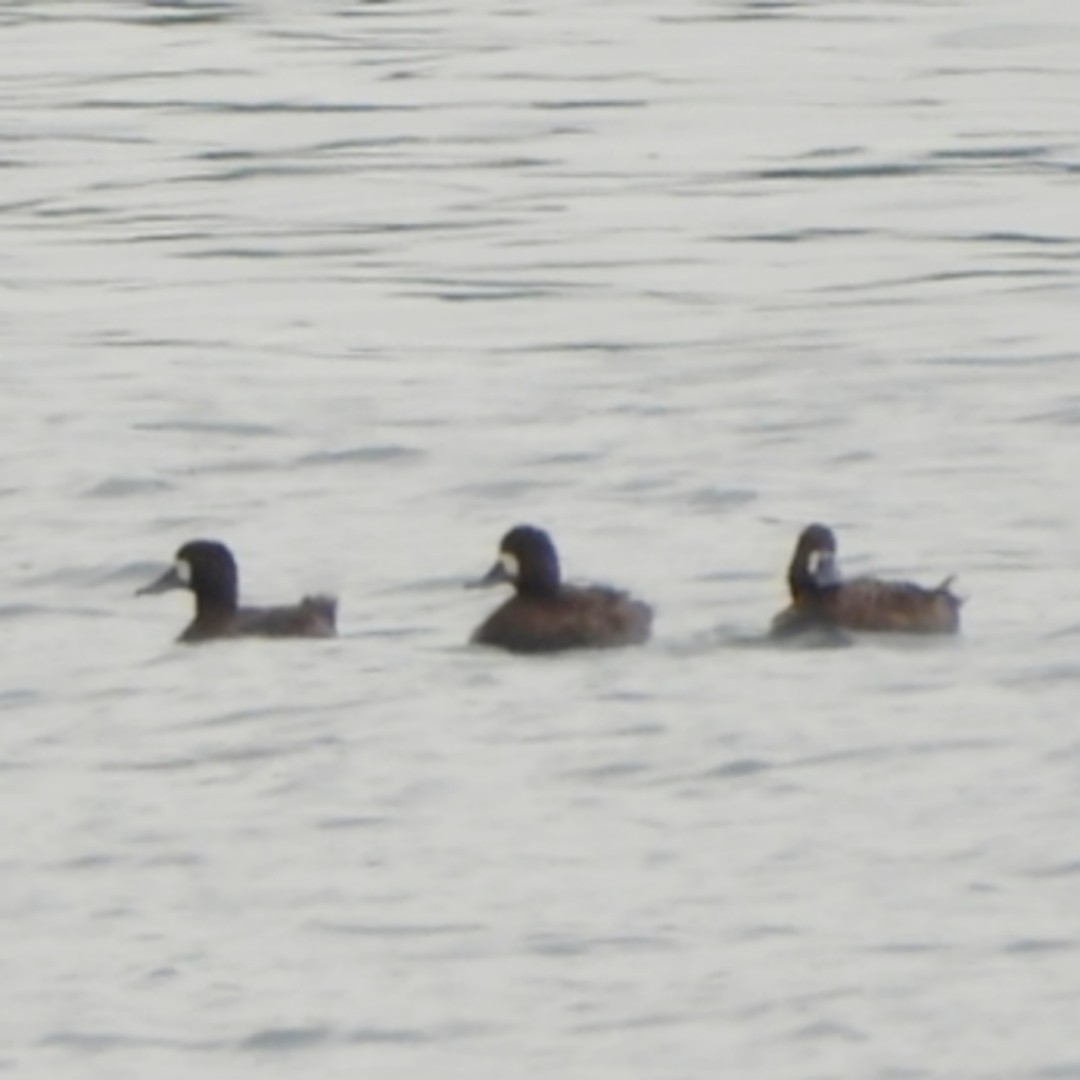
x=822, y=599
x=208, y=569
x=546, y=615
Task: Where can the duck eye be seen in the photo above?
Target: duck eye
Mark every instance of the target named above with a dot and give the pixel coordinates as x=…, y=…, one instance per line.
x=183, y=571
x=509, y=564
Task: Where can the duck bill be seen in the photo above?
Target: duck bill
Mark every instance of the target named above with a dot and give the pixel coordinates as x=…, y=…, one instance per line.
x=495, y=576
x=171, y=579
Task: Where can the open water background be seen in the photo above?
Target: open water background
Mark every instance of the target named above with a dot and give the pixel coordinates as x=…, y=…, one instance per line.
x=357, y=286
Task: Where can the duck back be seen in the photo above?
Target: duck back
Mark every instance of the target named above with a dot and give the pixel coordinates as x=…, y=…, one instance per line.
x=313, y=617
x=594, y=617
x=870, y=604
x=896, y=606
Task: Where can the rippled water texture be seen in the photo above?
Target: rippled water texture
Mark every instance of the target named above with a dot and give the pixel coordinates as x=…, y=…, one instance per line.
x=357, y=286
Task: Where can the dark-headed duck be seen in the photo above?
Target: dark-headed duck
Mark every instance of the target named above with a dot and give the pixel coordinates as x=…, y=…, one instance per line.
x=820, y=597
x=544, y=615
x=208, y=569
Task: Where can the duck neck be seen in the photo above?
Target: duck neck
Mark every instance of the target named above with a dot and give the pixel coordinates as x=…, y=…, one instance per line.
x=218, y=603
x=540, y=580
x=801, y=583
x=808, y=578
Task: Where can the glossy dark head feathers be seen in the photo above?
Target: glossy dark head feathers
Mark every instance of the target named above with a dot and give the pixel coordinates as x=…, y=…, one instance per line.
x=813, y=566
x=528, y=561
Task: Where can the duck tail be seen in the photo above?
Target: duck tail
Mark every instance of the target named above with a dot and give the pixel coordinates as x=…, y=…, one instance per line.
x=323, y=606
x=945, y=588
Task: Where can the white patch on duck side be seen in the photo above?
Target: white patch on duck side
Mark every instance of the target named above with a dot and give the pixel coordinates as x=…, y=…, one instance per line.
x=183, y=571
x=510, y=565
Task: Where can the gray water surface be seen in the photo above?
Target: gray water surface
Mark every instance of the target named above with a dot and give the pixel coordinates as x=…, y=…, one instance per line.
x=357, y=286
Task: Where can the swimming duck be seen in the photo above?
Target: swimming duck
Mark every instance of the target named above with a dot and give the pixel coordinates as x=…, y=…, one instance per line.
x=208, y=569
x=820, y=597
x=545, y=615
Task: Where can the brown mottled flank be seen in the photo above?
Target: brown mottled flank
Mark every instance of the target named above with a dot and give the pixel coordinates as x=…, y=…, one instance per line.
x=819, y=597
x=594, y=617
x=314, y=616
x=871, y=604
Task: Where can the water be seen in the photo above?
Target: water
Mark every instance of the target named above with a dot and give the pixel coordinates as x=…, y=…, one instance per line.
x=357, y=286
